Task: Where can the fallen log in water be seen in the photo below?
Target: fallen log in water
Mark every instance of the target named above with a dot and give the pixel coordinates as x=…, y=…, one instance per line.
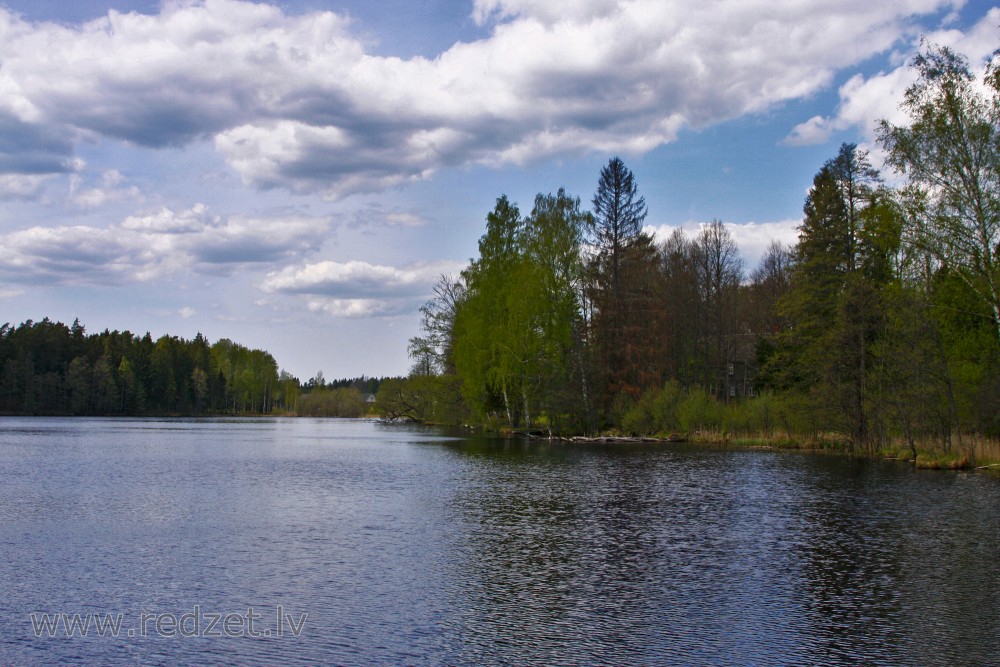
x=625, y=439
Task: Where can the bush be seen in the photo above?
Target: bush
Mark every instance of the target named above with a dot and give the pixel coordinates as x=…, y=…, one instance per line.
x=699, y=412
x=433, y=399
x=756, y=416
x=655, y=412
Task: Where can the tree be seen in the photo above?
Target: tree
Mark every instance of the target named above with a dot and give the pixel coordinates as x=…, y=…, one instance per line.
x=128, y=387
x=641, y=319
x=433, y=352
x=618, y=218
x=834, y=306
x=517, y=326
x=553, y=238
x=719, y=272
x=913, y=377
x=770, y=281
x=288, y=390
x=622, y=272
x=483, y=352
x=199, y=385
x=684, y=316
x=78, y=376
x=950, y=153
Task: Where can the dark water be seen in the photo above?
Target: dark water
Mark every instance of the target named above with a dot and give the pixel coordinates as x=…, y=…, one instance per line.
x=403, y=546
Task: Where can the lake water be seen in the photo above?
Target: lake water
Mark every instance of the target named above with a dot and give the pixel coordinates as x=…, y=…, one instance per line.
x=401, y=545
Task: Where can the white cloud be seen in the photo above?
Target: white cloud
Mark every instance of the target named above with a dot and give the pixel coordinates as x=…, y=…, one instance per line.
x=816, y=130
x=108, y=190
x=753, y=238
x=165, y=221
x=864, y=101
x=404, y=219
x=187, y=312
x=359, y=289
x=296, y=102
x=356, y=279
x=352, y=308
x=22, y=186
x=154, y=245
x=377, y=215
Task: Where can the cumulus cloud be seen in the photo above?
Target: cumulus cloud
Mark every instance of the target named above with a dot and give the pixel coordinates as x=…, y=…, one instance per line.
x=296, y=102
x=359, y=289
x=109, y=189
x=166, y=221
x=30, y=149
x=353, y=308
x=22, y=186
x=153, y=245
x=865, y=100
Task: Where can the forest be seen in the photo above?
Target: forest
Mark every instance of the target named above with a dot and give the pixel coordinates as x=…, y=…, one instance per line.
x=48, y=368
x=880, y=326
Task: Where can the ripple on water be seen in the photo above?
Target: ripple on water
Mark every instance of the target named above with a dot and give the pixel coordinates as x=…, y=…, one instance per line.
x=405, y=547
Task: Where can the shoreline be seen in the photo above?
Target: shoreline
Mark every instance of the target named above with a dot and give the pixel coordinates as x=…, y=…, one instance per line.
x=980, y=454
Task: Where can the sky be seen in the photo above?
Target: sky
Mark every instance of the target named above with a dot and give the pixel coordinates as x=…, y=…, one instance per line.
x=296, y=175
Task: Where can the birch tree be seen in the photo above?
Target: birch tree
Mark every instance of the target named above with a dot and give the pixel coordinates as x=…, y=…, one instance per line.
x=950, y=154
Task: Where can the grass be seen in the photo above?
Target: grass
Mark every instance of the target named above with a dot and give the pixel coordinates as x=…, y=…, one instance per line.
x=775, y=439
x=975, y=451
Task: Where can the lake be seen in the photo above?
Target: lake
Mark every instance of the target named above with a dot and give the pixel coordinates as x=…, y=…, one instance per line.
x=298, y=541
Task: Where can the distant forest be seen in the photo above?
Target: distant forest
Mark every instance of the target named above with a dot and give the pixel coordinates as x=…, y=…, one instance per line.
x=881, y=324
x=48, y=368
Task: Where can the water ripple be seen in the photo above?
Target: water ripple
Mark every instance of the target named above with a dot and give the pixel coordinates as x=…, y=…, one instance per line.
x=402, y=546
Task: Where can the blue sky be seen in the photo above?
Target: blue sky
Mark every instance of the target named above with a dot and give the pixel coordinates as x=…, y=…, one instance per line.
x=295, y=175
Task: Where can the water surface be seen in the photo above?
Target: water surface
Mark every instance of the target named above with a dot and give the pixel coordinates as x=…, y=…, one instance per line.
x=406, y=545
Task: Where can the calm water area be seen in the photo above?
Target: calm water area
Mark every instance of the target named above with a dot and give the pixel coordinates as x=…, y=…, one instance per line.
x=351, y=542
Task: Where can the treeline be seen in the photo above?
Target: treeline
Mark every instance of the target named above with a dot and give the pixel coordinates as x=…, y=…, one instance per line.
x=882, y=322
x=50, y=368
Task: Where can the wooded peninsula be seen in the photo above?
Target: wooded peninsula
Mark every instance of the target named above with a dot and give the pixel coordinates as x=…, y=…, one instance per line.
x=879, y=331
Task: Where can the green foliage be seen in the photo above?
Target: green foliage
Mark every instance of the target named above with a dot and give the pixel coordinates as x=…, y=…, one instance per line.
x=337, y=402
x=699, y=412
x=880, y=325
x=49, y=368
x=433, y=399
x=251, y=376
x=514, y=328
x=672, y=410
x=759, y=416
x=950, y=153
x=835, y=304
x=656, y=411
